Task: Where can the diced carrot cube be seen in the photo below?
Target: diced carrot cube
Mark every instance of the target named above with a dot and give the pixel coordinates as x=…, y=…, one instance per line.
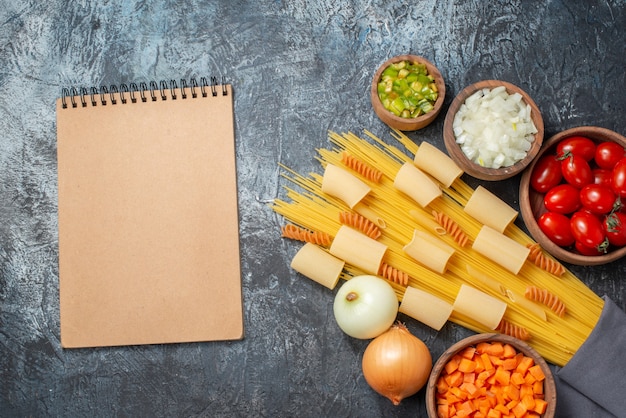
x=529, y=402
x=442, y=385
x=511, y=392
x=502, y=408
x=537, y=372
x=495, y=349
x=517, y=379
x=486, y=361
x=467, y=366
x=529, y=378
x=540, y=406
x=525, y=364
x=494, y=413
x=509, y=363
x=508, y=351
x=455, y=379
x=519, y=410
x=469, y=377
x=538, y=388
x=502, y=376
x=482, y=347
x=443, y=411
x=479, y=364
x=470, y=389
x=458, y=393
x=468, y=352
x=452, y=365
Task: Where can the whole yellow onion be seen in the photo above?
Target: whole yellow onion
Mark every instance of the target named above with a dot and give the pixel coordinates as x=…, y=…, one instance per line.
x=397, y=364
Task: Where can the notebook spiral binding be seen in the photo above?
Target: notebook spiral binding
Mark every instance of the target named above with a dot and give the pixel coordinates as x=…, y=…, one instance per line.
x=153, y=90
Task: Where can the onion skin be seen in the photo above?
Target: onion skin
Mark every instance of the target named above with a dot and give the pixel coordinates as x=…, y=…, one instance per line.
x=397, y=364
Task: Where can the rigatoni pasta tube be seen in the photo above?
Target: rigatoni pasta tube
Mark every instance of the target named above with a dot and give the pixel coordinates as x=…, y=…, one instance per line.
x=500, y=249
x=429, y=250
x=343, y=185
x=319, y=266
x=358, y=249
x=416, y=184
x=489, y=209
x=481, y=307
x=437, y=163
x=425, y=307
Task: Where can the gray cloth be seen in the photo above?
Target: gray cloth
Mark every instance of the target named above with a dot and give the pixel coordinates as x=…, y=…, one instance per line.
x=592, y=384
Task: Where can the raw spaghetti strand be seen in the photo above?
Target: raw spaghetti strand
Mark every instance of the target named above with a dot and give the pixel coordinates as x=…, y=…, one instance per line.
x=538, y=257
x=316, y=237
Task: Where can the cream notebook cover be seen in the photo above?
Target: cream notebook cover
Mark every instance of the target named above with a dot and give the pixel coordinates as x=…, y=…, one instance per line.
x=148, y=219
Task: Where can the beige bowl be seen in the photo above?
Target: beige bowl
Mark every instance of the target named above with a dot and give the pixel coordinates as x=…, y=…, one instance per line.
x=406, y=124
x=457, y=154
x=531, y=202
x=549, y=386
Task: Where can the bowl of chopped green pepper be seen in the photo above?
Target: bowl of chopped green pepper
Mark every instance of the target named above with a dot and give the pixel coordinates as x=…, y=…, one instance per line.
x=407, y=92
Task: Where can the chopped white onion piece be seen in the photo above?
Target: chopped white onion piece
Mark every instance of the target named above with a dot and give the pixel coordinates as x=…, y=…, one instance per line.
x=494, y=128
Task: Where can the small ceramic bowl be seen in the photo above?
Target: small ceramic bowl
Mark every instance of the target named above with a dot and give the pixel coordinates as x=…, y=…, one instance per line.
x=549, y=386
x=408, y=124
x=457, y=154
x=532, y=207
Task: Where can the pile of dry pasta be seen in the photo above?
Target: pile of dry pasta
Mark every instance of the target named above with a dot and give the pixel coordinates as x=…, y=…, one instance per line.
x=312, y=215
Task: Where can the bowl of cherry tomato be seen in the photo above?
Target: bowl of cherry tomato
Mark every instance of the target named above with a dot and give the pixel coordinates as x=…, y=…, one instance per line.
x=573, y=196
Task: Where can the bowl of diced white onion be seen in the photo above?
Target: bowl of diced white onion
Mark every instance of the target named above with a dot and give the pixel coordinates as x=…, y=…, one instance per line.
x=493, y=130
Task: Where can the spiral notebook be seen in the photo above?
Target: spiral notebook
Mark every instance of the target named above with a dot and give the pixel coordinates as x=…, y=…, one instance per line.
x=148, y=216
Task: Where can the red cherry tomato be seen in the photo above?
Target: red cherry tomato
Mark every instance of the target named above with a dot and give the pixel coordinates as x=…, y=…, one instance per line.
x=608, y=154
x=618, y=181
x=597, y=199
x=602, y=176
x=577, y=145
x=546, y=174
x=557, y=228
x=584, y=250
x=576, y=171
x=563, y=198
x=615, y=228
x=587, y=229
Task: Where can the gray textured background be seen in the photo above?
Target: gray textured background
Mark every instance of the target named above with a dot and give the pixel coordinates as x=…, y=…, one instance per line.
x=299, y=68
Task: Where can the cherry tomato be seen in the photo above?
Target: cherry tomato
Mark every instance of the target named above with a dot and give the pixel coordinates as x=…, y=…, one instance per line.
x=608, y=154
x=587, y=229
x=577, y=145
x=546, y=174
x=576, y=171
x=615, y=228
x=602, y=176
x=557, y=228
x=563, y=198
x=618, y=181
x=584, y=250
x=597, y=199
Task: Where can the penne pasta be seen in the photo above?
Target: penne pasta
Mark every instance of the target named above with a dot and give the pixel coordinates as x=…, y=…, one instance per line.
x=480, y=306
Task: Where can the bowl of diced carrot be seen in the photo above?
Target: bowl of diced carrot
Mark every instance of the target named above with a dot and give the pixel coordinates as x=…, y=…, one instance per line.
x=490, y=375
